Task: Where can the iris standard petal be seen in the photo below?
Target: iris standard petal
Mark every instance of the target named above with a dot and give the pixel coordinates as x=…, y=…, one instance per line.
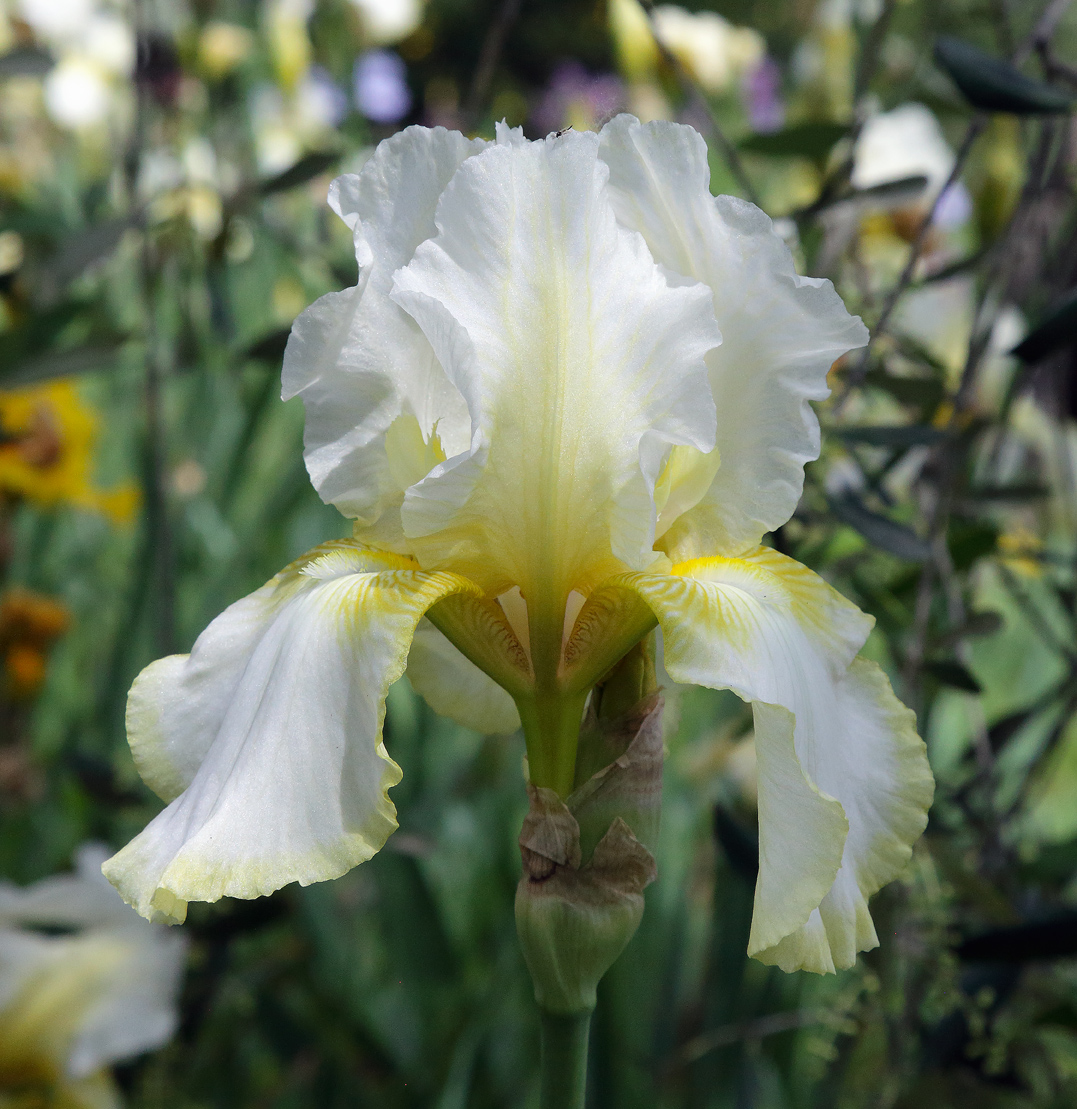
x=579, y=363
x=271, y=728
x=780, y=332
x=779, y=636
x=358, y=361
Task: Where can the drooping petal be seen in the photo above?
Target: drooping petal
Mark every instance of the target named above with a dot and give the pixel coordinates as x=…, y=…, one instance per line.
x=780, y=332
x=271, y=728
x=455, y=687
x=358, y=361
x=579, y=363
x=779, y=636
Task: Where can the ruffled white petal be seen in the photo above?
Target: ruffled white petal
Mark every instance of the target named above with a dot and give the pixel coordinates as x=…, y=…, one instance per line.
x=579, y=364
x=271, y=728
x=358, y=361
x=455, y=687
x=780, y=332
x=71, y=1004
x=779, y=636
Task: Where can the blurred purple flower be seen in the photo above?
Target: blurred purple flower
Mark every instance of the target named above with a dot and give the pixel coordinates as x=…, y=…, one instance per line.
x=763, y=97
x=381, y=87
x=576, y=98
x=954, y=207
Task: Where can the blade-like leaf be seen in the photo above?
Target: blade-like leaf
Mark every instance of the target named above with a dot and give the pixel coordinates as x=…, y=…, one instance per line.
x=62, y=363
x=270, y=348
x=308, y=167
x=1056, y=330
x=26, y=61
x=879, y=531
x=978, y=624
x=952, y=673
x=925, y=392
x=913, y=435
x=802, y=140
x=1027, y=491
x=993, y=85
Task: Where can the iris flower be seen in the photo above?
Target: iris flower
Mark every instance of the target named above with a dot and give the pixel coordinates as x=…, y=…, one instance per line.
x=564, y=403
x=83, y=983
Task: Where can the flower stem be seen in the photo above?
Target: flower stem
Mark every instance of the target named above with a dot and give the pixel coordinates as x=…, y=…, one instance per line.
x=564, y=1060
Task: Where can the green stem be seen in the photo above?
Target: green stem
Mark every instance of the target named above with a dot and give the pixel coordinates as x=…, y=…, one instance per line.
x=551, y=723
x=564, y=1060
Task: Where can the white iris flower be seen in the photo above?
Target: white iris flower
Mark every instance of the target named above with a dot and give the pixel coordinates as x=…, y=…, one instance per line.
x=563, y=404
x=84, y=983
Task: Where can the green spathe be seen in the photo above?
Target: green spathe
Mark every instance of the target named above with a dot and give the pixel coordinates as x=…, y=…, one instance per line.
x=576, y=912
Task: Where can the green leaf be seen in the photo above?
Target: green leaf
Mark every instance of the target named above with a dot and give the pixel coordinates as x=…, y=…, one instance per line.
x=1018, y=492
x=26, y=61
x=969, y=541
x=952, y=673
x=77, y=253
x=902, y=190
x=61, y=363
x=879, y=531
x=977, y=625
x=307, y=168
x=925, y=392
x=994, y=85
x=802, y=140
x=270, y=348
x=913, y=435
x=1056, y=330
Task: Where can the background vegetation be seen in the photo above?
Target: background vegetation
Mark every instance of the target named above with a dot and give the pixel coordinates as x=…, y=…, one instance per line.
x=162, y=185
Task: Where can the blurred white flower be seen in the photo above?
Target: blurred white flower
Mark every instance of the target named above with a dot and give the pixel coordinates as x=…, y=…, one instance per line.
x=84, y=983
x=381, y=87
x=908, y=142
x=710, y=47
x=57, y=18
x=388, y=21
x=902, y=143
x=110, y=42
x=76, y=93
x=320, y=101
x=287, y=125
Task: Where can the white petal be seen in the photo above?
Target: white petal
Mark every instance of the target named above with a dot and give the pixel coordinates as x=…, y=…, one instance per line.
x=357, y=360
x=780, y=332
x=455, y=687
x=136, y=1011
x=778, y=635
x=72, y=900
x=78, y=1003
x=272, y=729
x=579, y=364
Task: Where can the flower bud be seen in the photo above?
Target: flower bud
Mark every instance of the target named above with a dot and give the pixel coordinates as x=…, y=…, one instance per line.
x=580, y=899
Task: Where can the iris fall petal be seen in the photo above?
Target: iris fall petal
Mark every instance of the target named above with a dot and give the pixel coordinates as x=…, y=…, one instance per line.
x=272, y=728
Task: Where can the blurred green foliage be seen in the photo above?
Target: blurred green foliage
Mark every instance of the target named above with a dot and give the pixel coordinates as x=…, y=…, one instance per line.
x=160, y=253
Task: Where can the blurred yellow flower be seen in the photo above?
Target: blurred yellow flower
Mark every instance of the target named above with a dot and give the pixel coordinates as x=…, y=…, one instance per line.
x=29, y=622
x=223, y=46
x=47, y=438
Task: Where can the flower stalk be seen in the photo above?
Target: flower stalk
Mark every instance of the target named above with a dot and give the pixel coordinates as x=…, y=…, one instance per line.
x=564, y=1060
x=586, y=861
